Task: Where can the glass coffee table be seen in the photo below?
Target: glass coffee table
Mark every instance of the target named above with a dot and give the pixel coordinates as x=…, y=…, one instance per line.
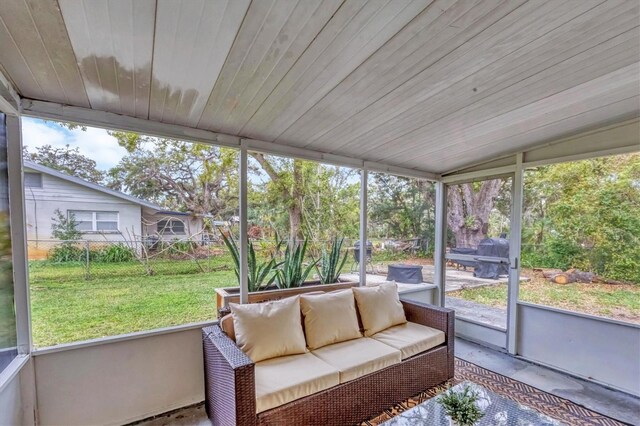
x=498, y=411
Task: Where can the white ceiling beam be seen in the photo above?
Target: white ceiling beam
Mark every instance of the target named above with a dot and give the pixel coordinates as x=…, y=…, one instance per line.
x=9, y=99
x=478, y=175
x=614, y=139
x=90, y=117
x=108, y=120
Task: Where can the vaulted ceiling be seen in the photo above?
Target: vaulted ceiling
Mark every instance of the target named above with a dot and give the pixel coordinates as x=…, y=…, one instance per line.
x=422, y=84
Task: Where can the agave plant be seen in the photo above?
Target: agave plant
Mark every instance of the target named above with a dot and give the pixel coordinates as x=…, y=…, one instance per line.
x=331, y=264
x=257, y=272
x=292, y=272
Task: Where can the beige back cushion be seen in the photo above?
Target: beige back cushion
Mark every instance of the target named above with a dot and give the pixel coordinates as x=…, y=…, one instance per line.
x=379, y=307
x=226, y=324
x=329, y=318
x=270, y=329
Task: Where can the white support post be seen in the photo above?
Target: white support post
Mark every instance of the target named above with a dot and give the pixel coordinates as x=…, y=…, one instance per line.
x=364, y=181
x=439, y=276
x=515, y=240
x=18, y=236
x=242, y=240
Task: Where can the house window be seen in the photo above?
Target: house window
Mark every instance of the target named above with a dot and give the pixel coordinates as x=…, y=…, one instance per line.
x=171, y=227
x=32, y=180
x=89, y=221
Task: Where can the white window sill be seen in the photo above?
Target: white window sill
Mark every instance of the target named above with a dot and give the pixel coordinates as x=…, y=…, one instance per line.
x=100, y=232
x=12, y=370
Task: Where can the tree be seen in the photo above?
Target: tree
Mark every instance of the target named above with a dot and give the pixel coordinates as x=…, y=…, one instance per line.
x=288, y=184
x=64, y=228
x=584, y=214
x=401, y=207
x=183, y=176
x=304, y=198
x=67, y=160
x=469, y=209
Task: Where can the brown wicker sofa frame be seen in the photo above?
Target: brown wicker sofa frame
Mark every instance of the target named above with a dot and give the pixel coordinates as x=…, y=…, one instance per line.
x=230, y=382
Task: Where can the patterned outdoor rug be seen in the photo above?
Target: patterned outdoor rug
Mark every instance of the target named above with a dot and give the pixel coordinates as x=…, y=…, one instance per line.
x=553, y=406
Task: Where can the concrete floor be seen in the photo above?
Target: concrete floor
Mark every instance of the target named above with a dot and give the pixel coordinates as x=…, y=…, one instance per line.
x=611, y=403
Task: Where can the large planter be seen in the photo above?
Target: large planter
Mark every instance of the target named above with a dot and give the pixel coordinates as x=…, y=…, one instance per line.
x=227, y=295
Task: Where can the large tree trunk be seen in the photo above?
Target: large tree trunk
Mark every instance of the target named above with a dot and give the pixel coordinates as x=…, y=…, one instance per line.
x=469, y=210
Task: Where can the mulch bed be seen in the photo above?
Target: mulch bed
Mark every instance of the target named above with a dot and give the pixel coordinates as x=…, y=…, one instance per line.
x=543, y=402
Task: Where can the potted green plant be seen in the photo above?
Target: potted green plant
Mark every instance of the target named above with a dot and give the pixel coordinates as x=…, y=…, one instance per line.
x=331, y=263
x=258, y=276
x=275, y=277
x=292, y=272
x=460, y=406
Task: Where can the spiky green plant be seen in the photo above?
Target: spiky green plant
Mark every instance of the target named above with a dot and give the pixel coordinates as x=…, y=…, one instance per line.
x=331, y=264
x=292, y=272
x=257, y=272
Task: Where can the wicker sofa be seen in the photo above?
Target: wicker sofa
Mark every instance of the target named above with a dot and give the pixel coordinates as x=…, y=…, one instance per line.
x=230, y=380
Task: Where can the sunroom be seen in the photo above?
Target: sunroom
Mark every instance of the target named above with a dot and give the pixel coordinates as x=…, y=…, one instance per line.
x=458, y=98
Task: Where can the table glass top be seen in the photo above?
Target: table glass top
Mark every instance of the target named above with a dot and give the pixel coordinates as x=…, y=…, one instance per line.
x=498, y=411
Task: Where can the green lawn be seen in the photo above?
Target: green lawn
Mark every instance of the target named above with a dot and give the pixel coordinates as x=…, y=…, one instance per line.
x=621, y=302
x=121, y=298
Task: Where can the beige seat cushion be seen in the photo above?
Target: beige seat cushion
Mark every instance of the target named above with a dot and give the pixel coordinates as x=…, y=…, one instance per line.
x=270, y=329
x=379, y=307
x=285, y=379
x=410, y=338
x=329, y=318
x=356, y=358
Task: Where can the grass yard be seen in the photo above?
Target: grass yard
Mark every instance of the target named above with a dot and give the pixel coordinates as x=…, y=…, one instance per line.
x=120, y=298
x=621, y=302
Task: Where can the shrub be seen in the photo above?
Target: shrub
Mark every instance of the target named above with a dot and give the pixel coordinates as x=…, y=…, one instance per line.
x=114, y=253
x=67, y=252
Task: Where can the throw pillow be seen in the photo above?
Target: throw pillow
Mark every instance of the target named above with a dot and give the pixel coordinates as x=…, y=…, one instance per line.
x=270, y=329
x=379, y=307
x=329, y=318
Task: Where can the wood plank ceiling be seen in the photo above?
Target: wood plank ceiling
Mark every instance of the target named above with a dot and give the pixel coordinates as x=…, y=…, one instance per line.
x=427, y=85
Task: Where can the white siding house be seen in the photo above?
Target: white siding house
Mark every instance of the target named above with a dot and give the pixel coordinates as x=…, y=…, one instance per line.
x=102, y=214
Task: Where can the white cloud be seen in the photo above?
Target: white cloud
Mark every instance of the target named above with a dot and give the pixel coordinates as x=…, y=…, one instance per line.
x=94, y=143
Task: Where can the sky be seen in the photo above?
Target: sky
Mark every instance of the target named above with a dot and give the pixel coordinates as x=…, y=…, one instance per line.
x=94, y=143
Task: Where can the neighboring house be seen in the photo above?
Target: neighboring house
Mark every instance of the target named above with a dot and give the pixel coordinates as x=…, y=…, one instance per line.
x=102, y=214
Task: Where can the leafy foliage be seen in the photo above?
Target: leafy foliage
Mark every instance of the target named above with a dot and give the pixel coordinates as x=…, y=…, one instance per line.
x=67, y=252
x=64, y=228
x=296, y=197
x=330, y=263
x=260, y=274
x=585, y=214
x=67, y=160
x=401, y=207
x=461, y=406
x=113, y=253
x=182, y=176
x=292, y=272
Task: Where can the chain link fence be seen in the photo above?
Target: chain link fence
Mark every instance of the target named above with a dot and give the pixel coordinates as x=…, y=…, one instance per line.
x=56, y=260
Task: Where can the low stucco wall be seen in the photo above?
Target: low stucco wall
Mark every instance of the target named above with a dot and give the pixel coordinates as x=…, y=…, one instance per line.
x=118, y=382
x=17, y=399
x=594, y=348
